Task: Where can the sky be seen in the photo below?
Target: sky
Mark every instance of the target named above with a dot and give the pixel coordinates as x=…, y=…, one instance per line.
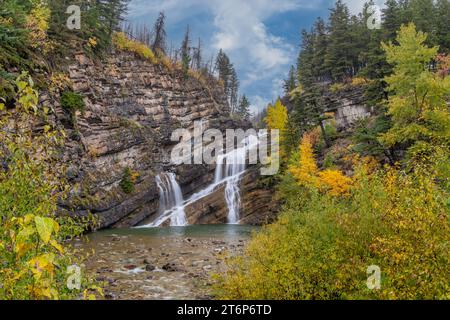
x=261, y=37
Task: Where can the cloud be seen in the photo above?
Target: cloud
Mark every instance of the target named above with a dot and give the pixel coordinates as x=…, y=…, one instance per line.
x=242, y=30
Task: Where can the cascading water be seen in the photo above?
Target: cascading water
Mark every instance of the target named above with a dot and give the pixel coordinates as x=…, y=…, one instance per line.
x=170, y=201
x=229, y=170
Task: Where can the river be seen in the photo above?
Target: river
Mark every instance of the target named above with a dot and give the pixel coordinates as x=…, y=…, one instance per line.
x=162, y=263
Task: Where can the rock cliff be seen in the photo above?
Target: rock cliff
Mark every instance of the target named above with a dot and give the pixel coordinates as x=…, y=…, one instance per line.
x=132, y=107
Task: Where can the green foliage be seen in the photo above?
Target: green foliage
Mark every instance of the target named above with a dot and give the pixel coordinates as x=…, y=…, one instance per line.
x=126, y=183
x=366, y=136
x=33, y=253
x=243, y=109
x=72, y=102
x=418, y=98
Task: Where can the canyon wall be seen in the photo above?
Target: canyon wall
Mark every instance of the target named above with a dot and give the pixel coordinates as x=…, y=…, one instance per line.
x=132, y=107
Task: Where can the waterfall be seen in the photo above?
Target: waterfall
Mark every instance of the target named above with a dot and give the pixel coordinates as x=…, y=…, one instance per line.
x=170, y=201
x=229, y=170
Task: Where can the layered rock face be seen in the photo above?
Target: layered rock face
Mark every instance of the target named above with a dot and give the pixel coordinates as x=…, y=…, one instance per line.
x=132, y=108
x=349, y=106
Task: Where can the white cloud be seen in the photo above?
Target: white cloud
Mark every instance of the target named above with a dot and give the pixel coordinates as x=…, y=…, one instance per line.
x=239, y=29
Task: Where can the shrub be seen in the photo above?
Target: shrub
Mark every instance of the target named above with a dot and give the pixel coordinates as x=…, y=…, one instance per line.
x=336, y=87
x=72, y=102
x=33, y=253
x=358, y=81
x=322, y=246
x=127, y=183
x=122, y=42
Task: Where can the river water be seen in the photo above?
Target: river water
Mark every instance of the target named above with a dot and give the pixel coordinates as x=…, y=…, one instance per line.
x=162, y=263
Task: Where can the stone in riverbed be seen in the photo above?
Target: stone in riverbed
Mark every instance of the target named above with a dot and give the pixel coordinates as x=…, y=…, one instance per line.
x=130, y=267
x=171, y=267
x=150, y=268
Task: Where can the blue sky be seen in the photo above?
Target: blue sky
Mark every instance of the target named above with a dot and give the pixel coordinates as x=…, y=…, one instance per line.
x=261, y=37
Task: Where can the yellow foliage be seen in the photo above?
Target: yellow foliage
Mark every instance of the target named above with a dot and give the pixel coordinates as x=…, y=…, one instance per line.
x=306, y=170
x=334, y=182
x=321, y=246
x=92, y=42
x=277, y=117
x=122, y=42
x=336, y=87
x=358, y=81
x=38, y=23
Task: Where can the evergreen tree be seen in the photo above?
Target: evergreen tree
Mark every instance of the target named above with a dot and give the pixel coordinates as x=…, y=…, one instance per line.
x=243, y=109
x=339, y=59
x=159, y=31
x=442, y=20
x=392, y=19
x=305, y=64
x=197, y=56
x=291, y=82
x=234, y=89
x=320, y=45
x=186, y=52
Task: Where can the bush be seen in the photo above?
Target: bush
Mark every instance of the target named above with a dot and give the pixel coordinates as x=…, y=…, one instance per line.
x=322, y=246
x=122, y=42
x=72, y=102
x=128, y=180
x=336, y=87
x=33, y=253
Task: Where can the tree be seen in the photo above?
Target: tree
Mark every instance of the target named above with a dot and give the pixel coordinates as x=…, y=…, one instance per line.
x=197, y=56
x=291, y=82
x=228, y=76
x=159, y=41
x=243, y=109
x=186, y=53
x=338, y=57
x=234, y=89
x=320, y=45
x=442, y=25
x=392, y=19
x=277, y=119
x=418, y=98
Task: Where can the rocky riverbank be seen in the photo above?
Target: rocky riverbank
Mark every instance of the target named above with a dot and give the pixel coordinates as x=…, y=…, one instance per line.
x=172, y=263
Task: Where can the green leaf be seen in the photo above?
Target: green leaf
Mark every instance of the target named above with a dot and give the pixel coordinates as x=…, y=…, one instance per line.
x=45, y=227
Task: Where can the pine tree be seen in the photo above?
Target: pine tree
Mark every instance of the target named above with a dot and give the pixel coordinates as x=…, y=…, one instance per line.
x=320, y=45
x=228, y=76
x=291, y=82
x=243, y=109
x=159, y=31
x=338, y=58
x=234, y=89
x=186, y=53
x=442, y=20
x=392, y=19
